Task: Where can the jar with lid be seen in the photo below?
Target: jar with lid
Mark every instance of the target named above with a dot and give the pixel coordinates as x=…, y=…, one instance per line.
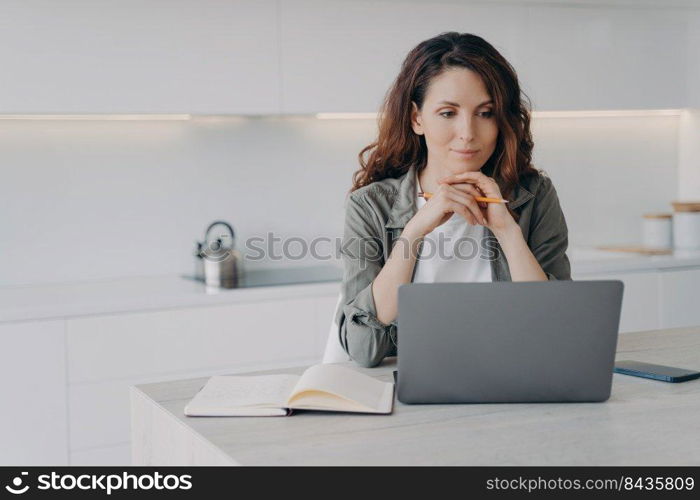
x=686, y=225
x=657, y=230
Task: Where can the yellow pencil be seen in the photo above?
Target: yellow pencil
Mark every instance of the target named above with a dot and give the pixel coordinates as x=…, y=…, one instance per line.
x=427, y=196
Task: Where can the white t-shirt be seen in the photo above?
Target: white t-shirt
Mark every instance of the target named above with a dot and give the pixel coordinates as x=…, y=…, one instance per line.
x=452, y=252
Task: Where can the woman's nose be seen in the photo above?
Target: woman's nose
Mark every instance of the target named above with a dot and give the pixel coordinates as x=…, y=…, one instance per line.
x=466, y=129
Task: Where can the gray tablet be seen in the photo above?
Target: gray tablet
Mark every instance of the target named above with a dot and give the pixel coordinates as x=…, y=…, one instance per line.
x=507, y=342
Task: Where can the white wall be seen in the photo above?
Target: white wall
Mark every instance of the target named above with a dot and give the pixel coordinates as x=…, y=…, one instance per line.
x=608, y=172
x=88, y=200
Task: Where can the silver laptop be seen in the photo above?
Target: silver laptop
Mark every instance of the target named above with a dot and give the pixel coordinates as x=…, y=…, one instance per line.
x=507, y=342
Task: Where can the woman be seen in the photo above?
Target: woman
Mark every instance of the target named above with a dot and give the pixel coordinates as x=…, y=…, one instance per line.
x=454, y=125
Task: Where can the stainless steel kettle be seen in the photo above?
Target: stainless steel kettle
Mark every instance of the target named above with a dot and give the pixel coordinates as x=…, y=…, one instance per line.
x=219, y=264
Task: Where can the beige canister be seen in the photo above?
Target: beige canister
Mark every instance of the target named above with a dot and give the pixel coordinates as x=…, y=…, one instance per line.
x=657, y=230
x=686, y=225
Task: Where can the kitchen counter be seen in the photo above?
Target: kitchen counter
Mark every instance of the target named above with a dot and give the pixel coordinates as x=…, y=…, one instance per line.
x=63, y=300
x=644, y=422
x=594, y=261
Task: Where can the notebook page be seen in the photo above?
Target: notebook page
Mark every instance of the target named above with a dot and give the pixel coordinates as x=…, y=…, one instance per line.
x=370, y=393
x=227, y=394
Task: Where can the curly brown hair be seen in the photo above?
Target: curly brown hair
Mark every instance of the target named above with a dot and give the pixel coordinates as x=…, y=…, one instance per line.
x=397, y=147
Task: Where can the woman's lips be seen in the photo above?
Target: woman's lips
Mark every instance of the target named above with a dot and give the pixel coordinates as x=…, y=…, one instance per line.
x=466, y=153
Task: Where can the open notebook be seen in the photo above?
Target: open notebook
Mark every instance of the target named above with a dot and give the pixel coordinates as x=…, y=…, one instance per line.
x=324, y=387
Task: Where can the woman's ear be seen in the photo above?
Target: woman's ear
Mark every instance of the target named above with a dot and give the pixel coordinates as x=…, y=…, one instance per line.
x=416, y=120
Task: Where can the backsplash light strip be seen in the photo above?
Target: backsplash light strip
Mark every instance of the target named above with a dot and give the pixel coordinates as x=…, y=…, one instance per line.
x=606, y=113
x=346, y=116
x=101, y=117
x=320, y=116
x=535, y=114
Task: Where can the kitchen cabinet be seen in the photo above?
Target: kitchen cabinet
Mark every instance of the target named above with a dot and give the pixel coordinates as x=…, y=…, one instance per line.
x=679, y=296
x=325, y=315
x=107, y=354
x=188, y=339
x=139, y=57
x=581, y=58
x=640, y=299
x=108, y=455
x=343, y=56
x=340, y=56
x=666, y=298
x=693, y=59
x=33, y=420
x=68, y=379
x=310, y=56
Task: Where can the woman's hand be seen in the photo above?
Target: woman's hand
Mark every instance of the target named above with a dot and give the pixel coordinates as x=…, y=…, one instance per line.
x=448, y=199
x=498, y=219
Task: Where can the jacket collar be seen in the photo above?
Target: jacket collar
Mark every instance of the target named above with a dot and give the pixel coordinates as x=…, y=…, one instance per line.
x=404, y=206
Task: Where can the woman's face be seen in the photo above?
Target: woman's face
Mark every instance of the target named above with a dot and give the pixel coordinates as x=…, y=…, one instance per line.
x=457, y=116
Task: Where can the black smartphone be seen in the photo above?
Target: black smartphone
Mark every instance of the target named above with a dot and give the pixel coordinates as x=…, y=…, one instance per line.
x=655, y=372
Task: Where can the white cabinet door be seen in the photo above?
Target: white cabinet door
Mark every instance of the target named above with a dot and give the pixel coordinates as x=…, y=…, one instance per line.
x=680, y=298
x=605, y=58
x=139, y=57
x=33, y=420
x=693, y=58
x=185, y=340
x=107, y=354
x=342, y=56
x=640, y=299
x=110, y=455
x=325, y=312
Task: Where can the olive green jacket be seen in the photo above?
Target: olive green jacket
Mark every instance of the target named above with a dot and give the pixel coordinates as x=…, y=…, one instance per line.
x=375, y=216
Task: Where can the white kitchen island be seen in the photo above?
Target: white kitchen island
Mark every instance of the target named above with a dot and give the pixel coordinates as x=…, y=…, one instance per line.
x=644, y=422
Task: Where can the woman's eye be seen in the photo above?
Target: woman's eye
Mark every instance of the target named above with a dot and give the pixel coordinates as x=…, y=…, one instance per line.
x=484, y=114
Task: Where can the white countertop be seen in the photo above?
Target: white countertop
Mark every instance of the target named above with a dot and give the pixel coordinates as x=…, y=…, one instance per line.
x=594, y=261
x=50, y=301
x=644, y=422
x=22, y=303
